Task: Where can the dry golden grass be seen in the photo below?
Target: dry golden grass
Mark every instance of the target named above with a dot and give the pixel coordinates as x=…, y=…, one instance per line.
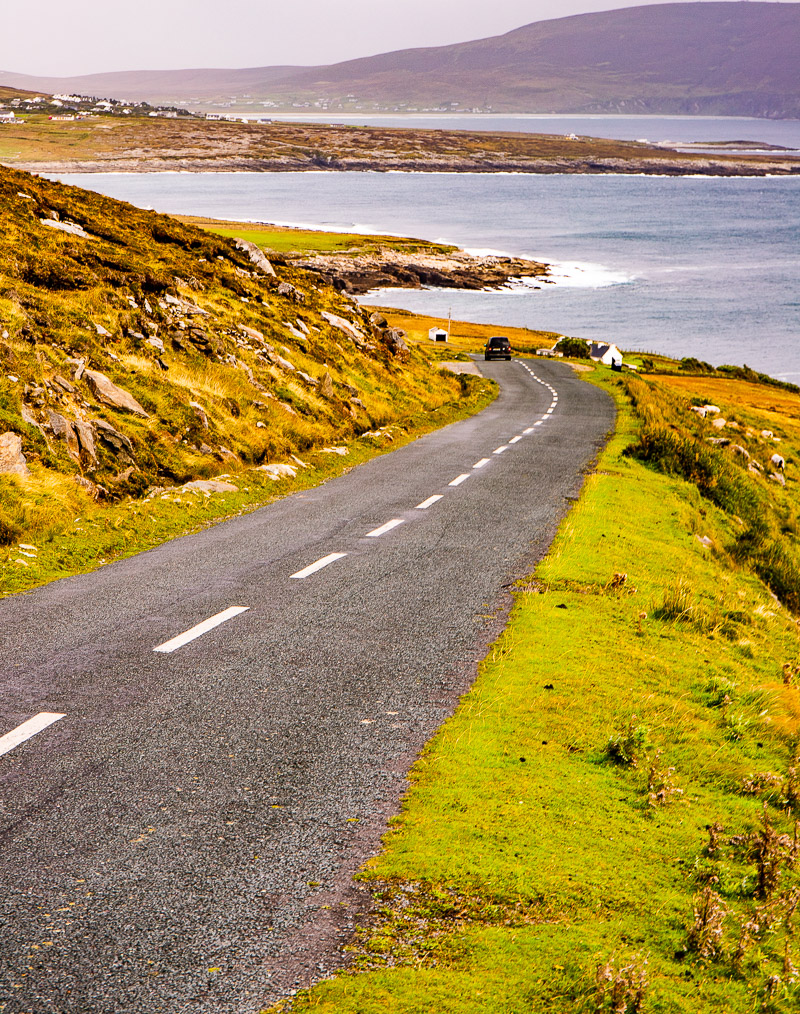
x=465, y=336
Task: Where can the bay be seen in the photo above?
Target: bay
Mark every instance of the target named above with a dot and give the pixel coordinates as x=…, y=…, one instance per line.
x=704, y=267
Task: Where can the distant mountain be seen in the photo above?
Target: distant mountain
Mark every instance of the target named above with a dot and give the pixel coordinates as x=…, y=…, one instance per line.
x=690, y=58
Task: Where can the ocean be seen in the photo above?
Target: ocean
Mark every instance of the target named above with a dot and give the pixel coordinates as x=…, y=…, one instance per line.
x=689, y=266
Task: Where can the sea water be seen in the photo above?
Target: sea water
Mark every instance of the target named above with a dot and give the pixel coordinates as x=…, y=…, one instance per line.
x=691, y=266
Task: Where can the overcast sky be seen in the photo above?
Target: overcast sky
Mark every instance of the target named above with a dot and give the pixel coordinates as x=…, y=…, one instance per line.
x=66, y=37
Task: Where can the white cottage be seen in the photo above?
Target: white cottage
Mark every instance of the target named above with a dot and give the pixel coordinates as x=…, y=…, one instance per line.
x=438, y=334
x=602, y=352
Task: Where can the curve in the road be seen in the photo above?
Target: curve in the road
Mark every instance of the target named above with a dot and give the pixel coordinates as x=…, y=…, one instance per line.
x=203, y=742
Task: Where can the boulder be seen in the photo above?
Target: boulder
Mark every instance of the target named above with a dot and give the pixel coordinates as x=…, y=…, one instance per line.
x=62, y=429
x=777, y=477
x=102, y=331
x=210, y=486
x=335, y=450
x=394, y=339
x=108, y=393
x=326, y=387
x=86, y=439
x=12, y=460
x=200, y=412
x=719, y=424
x=256, y=255
x=117, y=441
x=278, y=471
x=344, y=325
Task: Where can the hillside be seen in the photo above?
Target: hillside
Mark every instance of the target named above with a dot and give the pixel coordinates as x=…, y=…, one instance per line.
x=692, y=58
x=138, y=353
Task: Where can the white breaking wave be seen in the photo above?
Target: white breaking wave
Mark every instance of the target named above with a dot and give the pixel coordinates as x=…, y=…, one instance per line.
x=582, y=275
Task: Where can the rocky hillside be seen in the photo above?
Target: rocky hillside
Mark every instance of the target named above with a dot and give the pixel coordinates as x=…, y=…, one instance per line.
x=137, y=351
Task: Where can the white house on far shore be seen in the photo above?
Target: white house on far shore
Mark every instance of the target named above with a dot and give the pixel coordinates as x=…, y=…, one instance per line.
x=602, y=352
x=6, y=116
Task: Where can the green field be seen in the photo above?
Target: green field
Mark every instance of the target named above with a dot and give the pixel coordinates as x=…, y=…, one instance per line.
x=288, y=240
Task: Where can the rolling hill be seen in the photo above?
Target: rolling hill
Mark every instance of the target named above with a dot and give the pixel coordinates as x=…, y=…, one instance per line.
x=691, y=58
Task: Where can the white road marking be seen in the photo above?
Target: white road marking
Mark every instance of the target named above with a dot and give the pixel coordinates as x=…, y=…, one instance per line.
x=539, y=422
x=549, y=411
x=528, y=430
x=482, y=462
x=515, y=440
x=377, y=532
x=501, y=449
x=429, y=502
x=199, y=629
x=312, y=568
x=459, y=479
x=27, y=730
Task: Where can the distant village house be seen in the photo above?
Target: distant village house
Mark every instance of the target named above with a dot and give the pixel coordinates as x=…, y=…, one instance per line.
x=7, y=116
x=602, y=352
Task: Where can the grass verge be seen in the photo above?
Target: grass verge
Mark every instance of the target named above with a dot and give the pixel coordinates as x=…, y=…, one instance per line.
x=607, y=823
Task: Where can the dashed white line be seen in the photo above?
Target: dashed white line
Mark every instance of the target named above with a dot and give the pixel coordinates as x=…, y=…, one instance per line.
x=501, y=449
x=377, y=532
x=515, y=440
x=201, y=628
x=27, y=730
x=528, y=430
x=538, y=422
x=459, y=479
x=312, y=568
x=429, y=502
x=482, y=462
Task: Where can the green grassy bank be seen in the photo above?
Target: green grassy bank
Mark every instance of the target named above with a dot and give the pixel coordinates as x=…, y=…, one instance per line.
x=607, y=823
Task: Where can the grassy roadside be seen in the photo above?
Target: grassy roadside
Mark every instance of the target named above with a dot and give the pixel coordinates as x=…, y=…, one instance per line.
x=608, y=821
x=465, y=336
x=83, y=534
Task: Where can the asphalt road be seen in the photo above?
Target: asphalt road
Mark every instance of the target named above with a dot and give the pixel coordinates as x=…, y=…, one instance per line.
x=171, y=843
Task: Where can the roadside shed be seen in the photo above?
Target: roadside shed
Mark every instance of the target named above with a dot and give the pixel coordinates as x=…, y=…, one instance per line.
x=438, y=334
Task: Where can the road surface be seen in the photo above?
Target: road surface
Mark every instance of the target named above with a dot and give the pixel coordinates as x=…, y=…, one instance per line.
x=199, y=745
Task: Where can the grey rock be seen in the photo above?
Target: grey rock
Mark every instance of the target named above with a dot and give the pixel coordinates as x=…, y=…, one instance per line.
x=777, y=477
x=156, y=343
x=394, y=339
x=102, y=331
x=256, y=255
x=71, y=227
x=200, y=412
x=62, y=429
x=12, y=460
x=112, y=438
x=210, y=486
x=85, y=435
x=63, y=384
x=108, y=393
x=77, y=366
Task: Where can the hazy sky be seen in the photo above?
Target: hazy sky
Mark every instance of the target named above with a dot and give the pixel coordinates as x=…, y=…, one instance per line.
x=66, y=37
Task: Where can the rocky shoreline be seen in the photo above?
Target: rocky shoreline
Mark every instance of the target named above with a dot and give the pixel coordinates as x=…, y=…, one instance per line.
x=689, y=165
x=358, y=274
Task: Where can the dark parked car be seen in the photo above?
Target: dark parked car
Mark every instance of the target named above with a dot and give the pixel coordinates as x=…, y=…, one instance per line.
x=497, y=347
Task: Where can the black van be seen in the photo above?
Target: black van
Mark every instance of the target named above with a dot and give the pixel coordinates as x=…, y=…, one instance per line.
x=498, y=347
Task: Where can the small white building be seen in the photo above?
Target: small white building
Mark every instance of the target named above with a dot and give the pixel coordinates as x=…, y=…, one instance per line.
x=6, y=116
x=602, y=352
x=438, y=334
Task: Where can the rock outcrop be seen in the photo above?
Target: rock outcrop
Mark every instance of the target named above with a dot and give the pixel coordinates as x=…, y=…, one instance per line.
x=108, y=393
x=12, y=460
